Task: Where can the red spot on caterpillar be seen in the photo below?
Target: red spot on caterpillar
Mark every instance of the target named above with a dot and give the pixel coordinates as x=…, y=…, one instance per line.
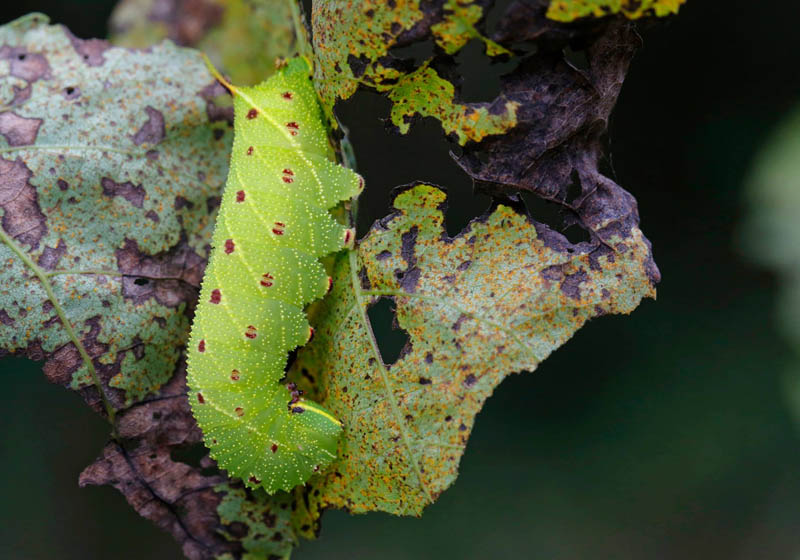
x=287, y=95
x=348, y=237
x=250, y=332
x=216, y=296
x=274, y=447
x=293, y=128
x=278, y=229
x=310, y=334
x=250, y=151
x=229, y=246
x=252, y=113
x=202, y=346
x=287, y=179
x=266, y=279
x=239, y=411
x=200, y=398
x=239, y=196
x=235, y=375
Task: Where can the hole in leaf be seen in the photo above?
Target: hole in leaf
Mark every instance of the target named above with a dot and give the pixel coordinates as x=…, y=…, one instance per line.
x=387, y=160
x=391, y=338
x=481, y=73
x=192, y=455
x=417, y=52
x=142, y=281
x=555, y=216
x=577, y=58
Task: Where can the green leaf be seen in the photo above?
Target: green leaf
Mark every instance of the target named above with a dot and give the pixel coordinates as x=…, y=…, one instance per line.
x=262, y=523
x=426, y=94
x=243, y=37
x=458, y=28
x=570, y=10
x=109, y=171
x=353, y=40
x=496, y=299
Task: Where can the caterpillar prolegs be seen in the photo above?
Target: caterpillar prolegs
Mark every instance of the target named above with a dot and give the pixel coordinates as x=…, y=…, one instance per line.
x=273, y=226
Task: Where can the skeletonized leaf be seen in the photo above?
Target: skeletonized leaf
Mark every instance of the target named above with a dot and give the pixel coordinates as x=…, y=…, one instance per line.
x=570, y=10
x=496, y=299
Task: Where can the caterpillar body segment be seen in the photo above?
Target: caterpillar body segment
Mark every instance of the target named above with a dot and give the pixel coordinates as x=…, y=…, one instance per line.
x=273, y=226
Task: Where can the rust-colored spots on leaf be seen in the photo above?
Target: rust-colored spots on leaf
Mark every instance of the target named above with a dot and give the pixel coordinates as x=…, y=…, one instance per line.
x=287, y=95
x=229, y=246
x=239, y=411
x=235, y=375
x=239, y=196
x=349, y=234
x=274, y=447
x=252, y=113
x=279, y=228
x=266, y=279
x=250, y=151
x=201, y=346
x=251, y=332
x=200, y=398
x=288, y=175
x=293, y=127
x=216, y=296
x=310, y=334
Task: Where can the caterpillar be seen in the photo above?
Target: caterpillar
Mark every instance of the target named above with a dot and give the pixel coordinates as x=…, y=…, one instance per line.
x=273, y=227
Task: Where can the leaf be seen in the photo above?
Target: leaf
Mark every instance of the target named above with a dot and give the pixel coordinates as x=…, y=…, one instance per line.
x=110, y=173
x=106, y=192
x=244, y=37
x=570, y=10
x=426, y=94
x=354, y=44
x=496, y=299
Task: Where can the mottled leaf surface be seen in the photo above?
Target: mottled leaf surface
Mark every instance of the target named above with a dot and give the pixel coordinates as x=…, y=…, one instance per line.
x=243, y=37
x=570, y=10
x=354, y=44
x=106, y=194
x=496, y=299
x=111, y=165
x=424, y=93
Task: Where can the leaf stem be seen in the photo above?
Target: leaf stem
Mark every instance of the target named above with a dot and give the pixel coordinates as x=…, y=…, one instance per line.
x=48, y=288
x=362, y=309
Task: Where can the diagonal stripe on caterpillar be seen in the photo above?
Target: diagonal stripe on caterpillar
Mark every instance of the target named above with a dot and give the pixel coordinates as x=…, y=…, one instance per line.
x=273, y=226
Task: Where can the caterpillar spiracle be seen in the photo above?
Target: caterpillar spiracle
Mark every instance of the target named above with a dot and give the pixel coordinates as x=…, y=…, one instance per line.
x=274, y=225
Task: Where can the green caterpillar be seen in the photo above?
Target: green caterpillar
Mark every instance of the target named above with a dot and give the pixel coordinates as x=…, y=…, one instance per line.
x=274, y=225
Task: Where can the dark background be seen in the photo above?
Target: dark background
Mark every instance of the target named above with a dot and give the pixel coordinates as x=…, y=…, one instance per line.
x=660, y=435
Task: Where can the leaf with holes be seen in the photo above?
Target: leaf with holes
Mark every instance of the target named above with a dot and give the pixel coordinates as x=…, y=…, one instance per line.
x=356, y=46
x=570, y=10
x=108, y=181
x=496, y=299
